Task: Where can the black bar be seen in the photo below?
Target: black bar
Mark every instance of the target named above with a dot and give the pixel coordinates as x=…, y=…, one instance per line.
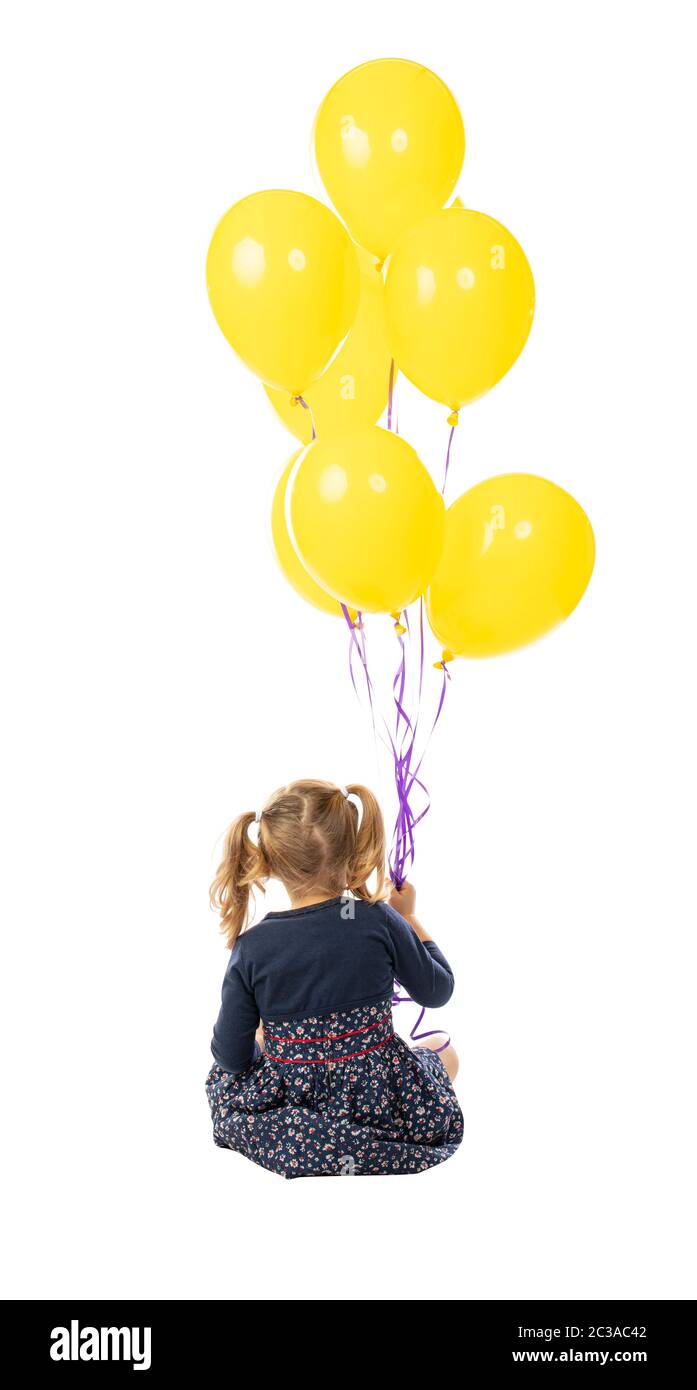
x=166, y=1338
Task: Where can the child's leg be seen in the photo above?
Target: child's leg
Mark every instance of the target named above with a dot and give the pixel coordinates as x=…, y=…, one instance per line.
x=448, y=1056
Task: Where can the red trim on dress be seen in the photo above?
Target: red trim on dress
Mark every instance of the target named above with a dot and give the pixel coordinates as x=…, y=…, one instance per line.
x=315, y=1061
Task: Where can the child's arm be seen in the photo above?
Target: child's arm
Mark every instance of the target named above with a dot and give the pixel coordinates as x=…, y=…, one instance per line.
x=234, y=1046
x=419, y=965
x=403, y=900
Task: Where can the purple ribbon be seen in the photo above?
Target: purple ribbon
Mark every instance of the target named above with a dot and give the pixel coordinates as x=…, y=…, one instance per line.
x=359, y=650
x=391, y=402
x=447, y=459
x=305, y=406
x=406, y=776
x=413, y=1033
x=402, y=746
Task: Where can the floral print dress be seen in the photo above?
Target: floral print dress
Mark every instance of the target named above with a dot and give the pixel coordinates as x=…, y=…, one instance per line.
x=339, y=1094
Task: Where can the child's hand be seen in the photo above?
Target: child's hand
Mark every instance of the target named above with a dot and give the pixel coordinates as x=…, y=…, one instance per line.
x=403, y=899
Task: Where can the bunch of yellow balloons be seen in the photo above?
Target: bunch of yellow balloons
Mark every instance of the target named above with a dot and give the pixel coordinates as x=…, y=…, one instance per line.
x=326, y=312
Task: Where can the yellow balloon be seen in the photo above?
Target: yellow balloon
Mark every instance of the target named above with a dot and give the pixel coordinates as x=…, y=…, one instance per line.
x=293, y=569
x=283, y=282
x=365, y=518
x=390, y=142
x=354, y=388
x=517, y=558
x=460, y=299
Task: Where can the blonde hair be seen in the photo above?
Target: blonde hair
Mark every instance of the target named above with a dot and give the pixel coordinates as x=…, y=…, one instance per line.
x=311, y=838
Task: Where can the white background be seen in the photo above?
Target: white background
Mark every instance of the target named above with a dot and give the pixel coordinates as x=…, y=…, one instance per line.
x=159, y=677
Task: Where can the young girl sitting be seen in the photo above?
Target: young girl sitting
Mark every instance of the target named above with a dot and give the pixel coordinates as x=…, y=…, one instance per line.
x=325, y=1086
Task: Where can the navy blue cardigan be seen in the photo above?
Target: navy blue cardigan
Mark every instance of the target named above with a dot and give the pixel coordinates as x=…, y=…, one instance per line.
x=315, y=960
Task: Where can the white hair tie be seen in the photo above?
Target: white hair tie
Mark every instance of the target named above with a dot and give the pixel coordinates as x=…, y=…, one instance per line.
x=257, y=817
x=355, y=802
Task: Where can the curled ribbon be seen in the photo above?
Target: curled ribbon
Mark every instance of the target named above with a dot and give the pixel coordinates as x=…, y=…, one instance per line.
x=402, y=747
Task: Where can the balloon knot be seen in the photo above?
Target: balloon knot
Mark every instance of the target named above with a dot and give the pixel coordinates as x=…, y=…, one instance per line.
x=295, y=400
x=379, y=266
x=454, y=419
x=442, y=665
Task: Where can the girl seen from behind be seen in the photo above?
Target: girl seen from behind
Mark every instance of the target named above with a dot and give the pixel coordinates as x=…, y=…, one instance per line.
x=310, y=1078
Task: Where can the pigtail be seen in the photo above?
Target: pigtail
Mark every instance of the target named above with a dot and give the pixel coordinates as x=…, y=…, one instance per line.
x=243, y=867
x=368, y=856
